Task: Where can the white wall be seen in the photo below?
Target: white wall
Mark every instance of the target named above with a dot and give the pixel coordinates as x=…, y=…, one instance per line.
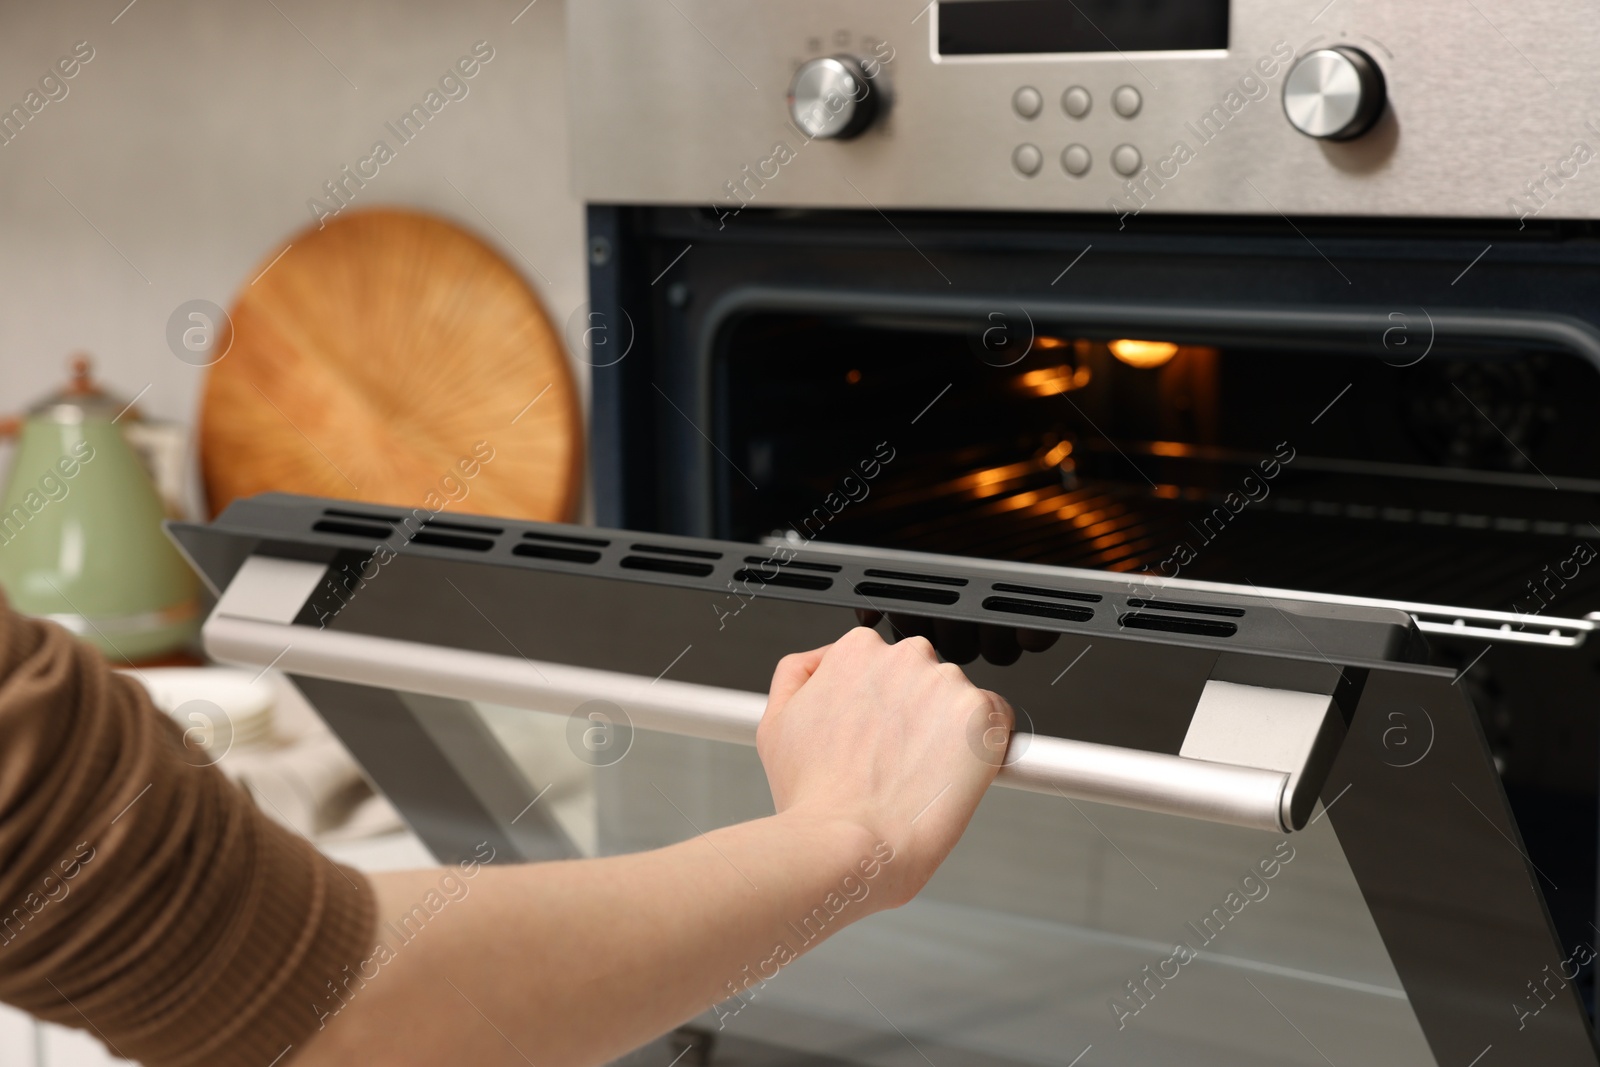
x=192, y=141
x=197, y=133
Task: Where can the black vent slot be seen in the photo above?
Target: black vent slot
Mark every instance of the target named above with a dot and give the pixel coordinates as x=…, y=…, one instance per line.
x=668, y=550
x=1173, y=624
x=799, y=565
x=1034, y=590
x=905, y=592
x=488, y=531
x=793, y=581
x=910, y=576
x=1017, y=606
x=352, y=529
x=555, y=546
x=457, y=541
x=566, y=539
x=340, y=513
x=1197, y=609
x=566, y=555
x=667, y=566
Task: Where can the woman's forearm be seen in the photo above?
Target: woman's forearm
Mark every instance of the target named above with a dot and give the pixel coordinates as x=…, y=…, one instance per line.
x=577, y=962
x=877, y=756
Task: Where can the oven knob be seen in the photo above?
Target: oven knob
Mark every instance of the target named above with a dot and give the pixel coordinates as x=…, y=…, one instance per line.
x=1334, y=93
x=833, y=97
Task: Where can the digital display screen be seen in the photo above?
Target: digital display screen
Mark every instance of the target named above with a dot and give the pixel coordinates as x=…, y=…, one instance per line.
x=1010, y=27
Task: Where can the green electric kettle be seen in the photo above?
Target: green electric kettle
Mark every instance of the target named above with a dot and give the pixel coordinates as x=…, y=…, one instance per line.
x=81, y=541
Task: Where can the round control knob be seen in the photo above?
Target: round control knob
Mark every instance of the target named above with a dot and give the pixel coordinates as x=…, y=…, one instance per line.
x=1334, y=93
x=834, y=97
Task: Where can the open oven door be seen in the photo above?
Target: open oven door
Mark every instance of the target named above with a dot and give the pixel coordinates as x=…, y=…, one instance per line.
x=1246, y=828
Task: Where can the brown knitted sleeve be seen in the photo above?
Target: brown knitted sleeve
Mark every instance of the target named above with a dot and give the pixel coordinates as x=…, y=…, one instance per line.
x=143, y=898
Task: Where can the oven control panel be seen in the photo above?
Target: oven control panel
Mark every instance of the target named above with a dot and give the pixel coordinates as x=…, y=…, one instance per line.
x=1348, y=107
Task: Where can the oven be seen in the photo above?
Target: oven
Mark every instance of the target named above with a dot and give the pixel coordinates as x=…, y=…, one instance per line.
x=1217, y=381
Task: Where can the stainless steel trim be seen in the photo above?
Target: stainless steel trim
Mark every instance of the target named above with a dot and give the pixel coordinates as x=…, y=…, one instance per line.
x=1557, y=633
x=1150, y=781
x=270, y=589
x=1275, y=729
x=1480, y=624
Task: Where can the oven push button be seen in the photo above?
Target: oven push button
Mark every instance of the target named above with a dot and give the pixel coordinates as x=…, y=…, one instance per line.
x=1076, y=102
x=1075, y=160
x=1028, y=102
x=1027, y=159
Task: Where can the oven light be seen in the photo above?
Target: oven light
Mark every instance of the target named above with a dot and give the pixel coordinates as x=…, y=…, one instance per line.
x=1057, y=454
x=1048, y=381
x=1143, y=353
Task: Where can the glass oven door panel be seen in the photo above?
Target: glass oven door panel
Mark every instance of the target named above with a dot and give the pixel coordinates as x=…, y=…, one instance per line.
x=992, y=988
x=1028, y=935
x=1044, y=858
x=1021, y=949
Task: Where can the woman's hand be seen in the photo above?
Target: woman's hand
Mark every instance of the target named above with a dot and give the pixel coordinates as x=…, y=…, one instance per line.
x=887, y=738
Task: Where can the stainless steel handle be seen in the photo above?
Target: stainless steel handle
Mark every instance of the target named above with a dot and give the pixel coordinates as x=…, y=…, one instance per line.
x=1150, y=781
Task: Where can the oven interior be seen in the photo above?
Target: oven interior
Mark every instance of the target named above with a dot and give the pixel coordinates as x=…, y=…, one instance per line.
x=1439, y=482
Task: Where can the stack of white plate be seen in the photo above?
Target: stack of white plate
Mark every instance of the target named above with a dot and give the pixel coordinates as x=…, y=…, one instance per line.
x=219, y=708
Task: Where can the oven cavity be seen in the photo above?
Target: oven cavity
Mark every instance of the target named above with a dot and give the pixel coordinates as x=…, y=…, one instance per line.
x=1177, y=451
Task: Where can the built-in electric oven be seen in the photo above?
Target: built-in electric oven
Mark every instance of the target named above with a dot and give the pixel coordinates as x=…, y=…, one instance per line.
x=1219, y=382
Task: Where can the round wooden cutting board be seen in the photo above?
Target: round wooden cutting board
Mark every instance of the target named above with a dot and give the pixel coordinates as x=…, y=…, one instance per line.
x=394, y=359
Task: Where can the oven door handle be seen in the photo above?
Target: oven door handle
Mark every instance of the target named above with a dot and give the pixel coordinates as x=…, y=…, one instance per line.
x=1223, y=792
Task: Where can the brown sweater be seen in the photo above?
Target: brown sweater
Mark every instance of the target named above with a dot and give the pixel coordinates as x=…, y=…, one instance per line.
x=144, y=898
